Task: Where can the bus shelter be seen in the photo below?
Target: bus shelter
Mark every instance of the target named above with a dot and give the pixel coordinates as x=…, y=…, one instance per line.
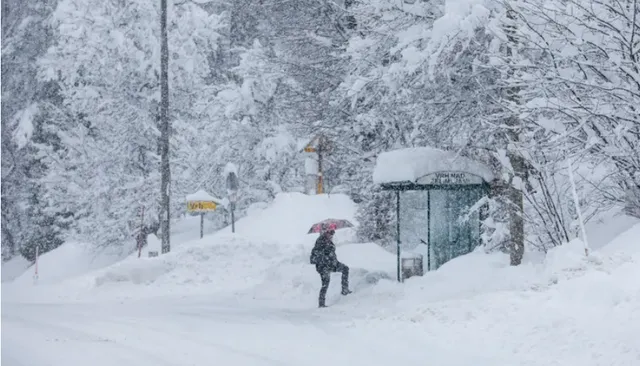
x=434, y=190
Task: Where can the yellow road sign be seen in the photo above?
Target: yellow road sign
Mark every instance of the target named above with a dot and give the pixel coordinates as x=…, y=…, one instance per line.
x=201, y=206
x=309, y=149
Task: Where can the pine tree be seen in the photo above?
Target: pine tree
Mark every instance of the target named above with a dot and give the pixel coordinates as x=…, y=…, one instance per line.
x=28, y=219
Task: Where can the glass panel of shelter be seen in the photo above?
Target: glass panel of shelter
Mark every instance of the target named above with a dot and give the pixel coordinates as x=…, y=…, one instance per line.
x=450, y=235
x=413, y=222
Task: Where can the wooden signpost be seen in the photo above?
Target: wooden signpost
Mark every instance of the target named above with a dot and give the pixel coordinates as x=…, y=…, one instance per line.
x=317, y=148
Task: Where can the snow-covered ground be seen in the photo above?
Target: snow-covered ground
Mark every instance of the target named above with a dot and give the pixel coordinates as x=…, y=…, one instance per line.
x=268, y=240
x=14, y=268
x=250, y=298
x=73, y=259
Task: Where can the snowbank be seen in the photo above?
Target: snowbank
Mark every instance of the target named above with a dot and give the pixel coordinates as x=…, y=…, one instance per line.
x=296, y=282
x=482, y=274
x=628, y=242
x=187, y=228
x=410, y=164
x=470, y=275
x=270, y=238
x=75, y=259
x=537, y=314
x=67, y=261
x=225, y=265
x=219, y=263
x=290, y=216
x=235, y=264
x=14, y=268
x=605, y=233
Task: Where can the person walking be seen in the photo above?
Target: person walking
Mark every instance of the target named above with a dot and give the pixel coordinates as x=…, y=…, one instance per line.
x=324, y=257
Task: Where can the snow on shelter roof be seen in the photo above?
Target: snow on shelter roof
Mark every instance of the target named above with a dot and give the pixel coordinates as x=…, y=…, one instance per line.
x=201, y=196
x=411, y=164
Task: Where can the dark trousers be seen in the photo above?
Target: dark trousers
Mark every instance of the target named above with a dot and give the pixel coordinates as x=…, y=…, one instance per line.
x=325, y=277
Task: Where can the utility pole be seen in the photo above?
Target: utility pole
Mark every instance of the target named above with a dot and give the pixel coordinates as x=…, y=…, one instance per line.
x=165, y=169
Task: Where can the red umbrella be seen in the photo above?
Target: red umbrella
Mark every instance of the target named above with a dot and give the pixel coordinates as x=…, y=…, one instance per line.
x=329, y=224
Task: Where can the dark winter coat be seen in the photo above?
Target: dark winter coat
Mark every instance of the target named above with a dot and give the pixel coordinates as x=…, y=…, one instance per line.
x=323, y=254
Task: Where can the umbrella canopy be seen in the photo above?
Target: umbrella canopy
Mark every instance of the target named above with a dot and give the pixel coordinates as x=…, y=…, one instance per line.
x=329, y=223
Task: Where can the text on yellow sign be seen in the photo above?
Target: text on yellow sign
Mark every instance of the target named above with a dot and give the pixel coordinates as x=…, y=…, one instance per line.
x=201, y=206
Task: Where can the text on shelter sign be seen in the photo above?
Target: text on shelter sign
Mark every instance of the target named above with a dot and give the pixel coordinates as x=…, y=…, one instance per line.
x=450, y=178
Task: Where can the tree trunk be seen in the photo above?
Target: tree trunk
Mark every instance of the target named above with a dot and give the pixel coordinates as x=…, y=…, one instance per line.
x=164, y=131
x=514, y=191
x=516, y=209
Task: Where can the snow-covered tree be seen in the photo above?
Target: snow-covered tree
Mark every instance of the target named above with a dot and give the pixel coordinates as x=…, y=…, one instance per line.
x=106, y=62
x=279, y=72
x=414, y=82
x=576, y=72
x=27, y=218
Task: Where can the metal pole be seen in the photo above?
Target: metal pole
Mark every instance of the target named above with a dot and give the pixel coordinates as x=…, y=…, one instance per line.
x=481, y=214
x=233, y=218
x=470, y=231
x=576, y=201
x=201, y=225
x=398, y=233
x=428, y=230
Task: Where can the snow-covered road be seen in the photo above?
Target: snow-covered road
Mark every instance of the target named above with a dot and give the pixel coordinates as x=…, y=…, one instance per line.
x=198, y=332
